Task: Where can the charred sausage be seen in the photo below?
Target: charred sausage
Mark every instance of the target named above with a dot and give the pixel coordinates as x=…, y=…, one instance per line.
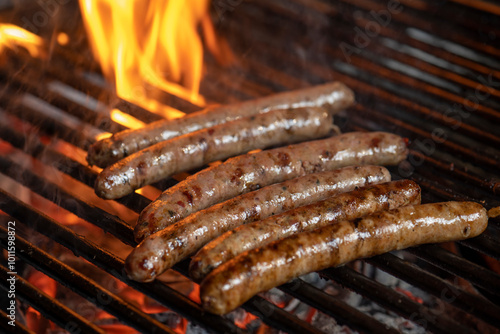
x=235, y=281
x=195, y=149
x=350, y=205
x=333, y=96
x=162, y=250
x=249, y=172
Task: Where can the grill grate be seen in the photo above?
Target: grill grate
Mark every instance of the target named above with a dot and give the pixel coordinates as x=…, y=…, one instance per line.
x=431, y=74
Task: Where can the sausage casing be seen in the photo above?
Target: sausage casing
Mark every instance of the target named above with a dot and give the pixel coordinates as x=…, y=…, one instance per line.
x=237, y=280
x=249, y=172
x=333, y=96
x=162, y=250
x=346, y=206
x=193, y=150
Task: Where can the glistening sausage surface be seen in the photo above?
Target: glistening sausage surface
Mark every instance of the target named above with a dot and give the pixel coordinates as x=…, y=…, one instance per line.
x=162, y=250
x=249, y=172
x=333, y=96
x=234, y=282
x=350, y=205
x=193, y=150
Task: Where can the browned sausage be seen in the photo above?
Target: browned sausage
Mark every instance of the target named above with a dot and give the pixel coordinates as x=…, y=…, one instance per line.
x=237, y=280
x=162, y=250
x=332, y=96
x=249, y=172
x=195, y=149
x=354, y=204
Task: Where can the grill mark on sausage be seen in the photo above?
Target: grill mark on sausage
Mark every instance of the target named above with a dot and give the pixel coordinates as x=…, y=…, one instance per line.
x=375, y=142
x=236, y=178
x=326, y=154
x=284, y=159
x=142, y=168
x=188, y=197
x=197, y=190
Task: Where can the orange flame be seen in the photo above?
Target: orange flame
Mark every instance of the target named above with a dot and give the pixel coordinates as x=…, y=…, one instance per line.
x=125, y=119
x=148, y=45
x=12, y=36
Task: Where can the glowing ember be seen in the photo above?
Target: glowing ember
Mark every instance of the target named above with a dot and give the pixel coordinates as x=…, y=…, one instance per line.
x=245, y=320
x=62, y=38
x=12, y=36
x=148, y=45
x=123, y=119
x=33, y=318
x=195, y=294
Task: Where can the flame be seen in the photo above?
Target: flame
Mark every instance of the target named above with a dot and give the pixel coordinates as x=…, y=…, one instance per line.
x=12, y=36
x=146, y=46
x=103, y=135
x=122, y=118
x=125, y=119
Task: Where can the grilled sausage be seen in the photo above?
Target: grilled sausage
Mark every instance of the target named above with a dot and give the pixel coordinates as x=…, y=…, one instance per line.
x=237, y=280
x=162, y=250
x=249, y=172
x=333, y=96
x=193, y=150
x=350, y=205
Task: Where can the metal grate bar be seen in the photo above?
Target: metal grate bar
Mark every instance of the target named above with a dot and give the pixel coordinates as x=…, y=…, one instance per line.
x=335, y=308
x=259, y=37
x=108, y=222
x=276, y=317
x=422, y=20
x=36, y=83
x=487, y=244
x=474, y=304
x=52, y=119
x=85, y=287
x=48, y=307
x=394, y=301
x=459, y=266
x=38, y=150
x=18, y=329
x=82, y=173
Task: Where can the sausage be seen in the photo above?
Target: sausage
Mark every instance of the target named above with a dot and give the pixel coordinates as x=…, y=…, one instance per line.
x=260, y=269
x=193, y=150
x=350, y=205
x=249, y=172
x=333, y=96
x=162, y=250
